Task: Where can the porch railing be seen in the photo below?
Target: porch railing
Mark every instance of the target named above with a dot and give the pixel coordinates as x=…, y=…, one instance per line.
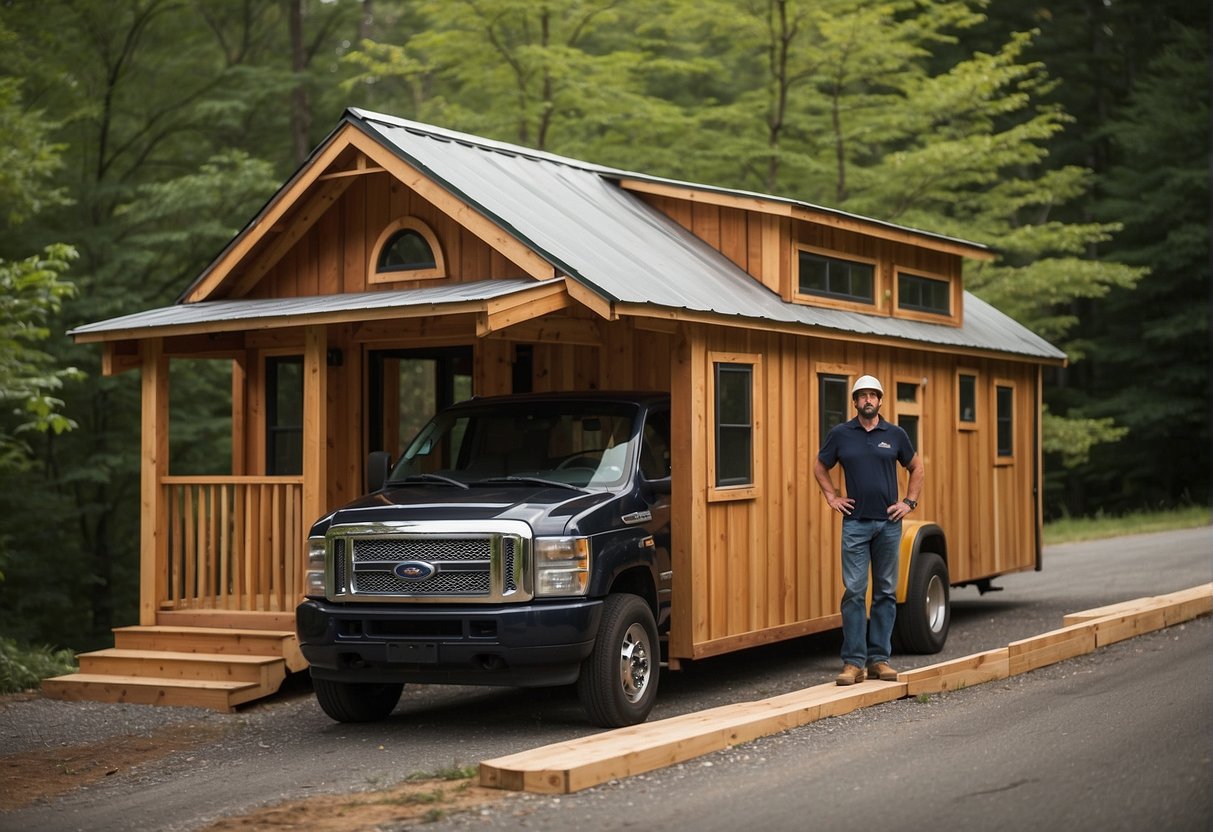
x=232, y=542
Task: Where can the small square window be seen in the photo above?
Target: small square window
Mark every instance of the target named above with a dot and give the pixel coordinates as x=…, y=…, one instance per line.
x=923, y=294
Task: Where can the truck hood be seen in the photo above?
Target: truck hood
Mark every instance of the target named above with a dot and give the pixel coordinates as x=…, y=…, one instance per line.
x=547, y=510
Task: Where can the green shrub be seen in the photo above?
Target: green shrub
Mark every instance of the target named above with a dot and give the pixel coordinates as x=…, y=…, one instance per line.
x=24, y=667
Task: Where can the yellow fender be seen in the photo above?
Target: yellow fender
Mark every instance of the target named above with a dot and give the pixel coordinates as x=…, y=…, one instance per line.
x=914, y=534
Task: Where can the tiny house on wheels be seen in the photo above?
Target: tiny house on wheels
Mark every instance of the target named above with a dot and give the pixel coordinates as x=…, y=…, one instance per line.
x=406, y=268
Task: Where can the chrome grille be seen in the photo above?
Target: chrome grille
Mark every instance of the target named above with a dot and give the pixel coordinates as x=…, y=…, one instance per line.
x=477, y=561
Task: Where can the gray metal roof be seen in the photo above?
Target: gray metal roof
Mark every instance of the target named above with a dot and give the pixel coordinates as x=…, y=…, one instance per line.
x=575, y=215
x=270, y=312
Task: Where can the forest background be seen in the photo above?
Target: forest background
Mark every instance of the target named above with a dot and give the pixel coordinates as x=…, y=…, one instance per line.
x=138, y=136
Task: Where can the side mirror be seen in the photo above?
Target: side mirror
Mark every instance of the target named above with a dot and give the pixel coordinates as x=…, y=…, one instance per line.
x=378, y=463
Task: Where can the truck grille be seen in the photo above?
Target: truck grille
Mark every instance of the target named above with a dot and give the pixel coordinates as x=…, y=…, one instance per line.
x=371, y=562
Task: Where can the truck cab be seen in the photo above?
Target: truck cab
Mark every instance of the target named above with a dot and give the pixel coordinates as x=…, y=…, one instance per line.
x=519, y=540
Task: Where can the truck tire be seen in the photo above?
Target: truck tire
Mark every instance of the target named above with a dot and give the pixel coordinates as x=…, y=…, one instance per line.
x=357, y=701
x=923, y=620
x=618, y=681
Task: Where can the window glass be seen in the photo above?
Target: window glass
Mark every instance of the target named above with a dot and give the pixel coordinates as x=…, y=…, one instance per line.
x=832, y=402
x=655, y=449
x=834, y=277
x=284, y=415
x=910, y=425
x=405, y=251
x=967, y=394
x=1005, y=401
x=734, y=425
x=923, y=294
x=907, y=391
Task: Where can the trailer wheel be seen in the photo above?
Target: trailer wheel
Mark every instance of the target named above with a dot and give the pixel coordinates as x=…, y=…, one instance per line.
x=357, y=701
x=923, y=620
x=618, y=681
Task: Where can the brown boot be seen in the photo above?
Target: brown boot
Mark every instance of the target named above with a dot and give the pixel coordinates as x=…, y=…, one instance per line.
x=850, y=675
x=883, y=672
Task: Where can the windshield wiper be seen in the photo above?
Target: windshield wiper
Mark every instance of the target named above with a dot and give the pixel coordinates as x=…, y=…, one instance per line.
x=532, y=481
x=434, y=478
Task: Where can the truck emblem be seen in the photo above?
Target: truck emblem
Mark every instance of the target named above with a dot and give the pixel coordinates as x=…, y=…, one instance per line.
x=414, y=570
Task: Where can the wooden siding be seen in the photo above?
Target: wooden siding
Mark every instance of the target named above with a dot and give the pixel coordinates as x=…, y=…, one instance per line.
x=334, y=255
x=765, y=567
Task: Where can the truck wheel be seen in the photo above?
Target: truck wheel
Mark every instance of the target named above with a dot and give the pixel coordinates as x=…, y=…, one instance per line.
x=923, y=620
x=618, y=681
x=357, y=701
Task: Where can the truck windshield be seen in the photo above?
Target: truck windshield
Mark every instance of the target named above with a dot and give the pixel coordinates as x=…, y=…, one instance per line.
x=582, y=444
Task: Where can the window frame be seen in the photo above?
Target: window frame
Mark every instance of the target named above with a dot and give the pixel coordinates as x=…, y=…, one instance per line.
x=961, y=422
x=272, y=433
x=821, y=371
x=735, y=491
x=953, y=317
x=419, y=227
x=850, y=302
x=912, y=409
x=1002, y=457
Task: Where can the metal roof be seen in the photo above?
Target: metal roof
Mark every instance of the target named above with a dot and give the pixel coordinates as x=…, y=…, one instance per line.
x=576, y=216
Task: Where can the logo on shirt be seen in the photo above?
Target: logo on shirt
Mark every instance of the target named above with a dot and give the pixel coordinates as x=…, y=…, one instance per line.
x=884, y=445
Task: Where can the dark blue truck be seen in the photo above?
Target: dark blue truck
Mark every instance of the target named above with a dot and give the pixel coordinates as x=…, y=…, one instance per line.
x=521, y=540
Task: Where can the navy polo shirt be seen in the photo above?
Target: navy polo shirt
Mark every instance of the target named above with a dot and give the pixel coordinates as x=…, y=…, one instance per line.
x=868, y=459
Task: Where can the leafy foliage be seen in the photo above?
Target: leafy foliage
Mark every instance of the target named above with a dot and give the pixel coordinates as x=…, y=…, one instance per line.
x=24, y=668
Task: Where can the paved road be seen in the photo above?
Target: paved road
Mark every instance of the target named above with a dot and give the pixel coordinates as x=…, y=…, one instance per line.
x=1087, y=716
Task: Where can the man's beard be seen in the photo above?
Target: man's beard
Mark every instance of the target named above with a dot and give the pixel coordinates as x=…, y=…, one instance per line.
x=867, y=411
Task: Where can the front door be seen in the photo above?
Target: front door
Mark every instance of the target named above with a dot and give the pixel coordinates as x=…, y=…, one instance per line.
x=407, y=387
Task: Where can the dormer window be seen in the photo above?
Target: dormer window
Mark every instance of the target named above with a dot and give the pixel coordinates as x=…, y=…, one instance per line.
x=923, y=294
x=407, y=249
x=836, y=277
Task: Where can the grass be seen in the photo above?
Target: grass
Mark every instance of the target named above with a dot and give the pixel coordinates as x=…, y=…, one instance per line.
x=1075, y=529
x=23, y=667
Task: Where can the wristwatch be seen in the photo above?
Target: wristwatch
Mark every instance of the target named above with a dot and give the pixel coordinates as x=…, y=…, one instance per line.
x=913, y=504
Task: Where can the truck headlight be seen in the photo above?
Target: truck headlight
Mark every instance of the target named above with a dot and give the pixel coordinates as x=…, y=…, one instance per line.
x=562, y=565
x=315, y=566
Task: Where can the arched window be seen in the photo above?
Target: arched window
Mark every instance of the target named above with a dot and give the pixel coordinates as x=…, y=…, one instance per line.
x=407, y=250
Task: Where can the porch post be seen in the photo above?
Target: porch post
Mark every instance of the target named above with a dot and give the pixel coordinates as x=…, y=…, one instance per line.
x=153, y=511
x=315, y=430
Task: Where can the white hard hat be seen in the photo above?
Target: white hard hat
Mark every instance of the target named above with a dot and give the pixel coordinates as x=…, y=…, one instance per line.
x=867, y=383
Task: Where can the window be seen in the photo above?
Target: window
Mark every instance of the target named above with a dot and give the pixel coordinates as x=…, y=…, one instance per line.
x=655, y=448
x=407, y=249
x=1004, y=400
x=909, y=410
x=734, y=425
x=923, y=294
x=284, y=415
x=832, y=401
x=837, y=278
x=966, y=396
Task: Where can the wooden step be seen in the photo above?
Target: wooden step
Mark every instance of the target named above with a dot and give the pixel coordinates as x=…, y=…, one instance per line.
x=266, y=671
x=197, y=693
x=229, y=619
x=215, y=640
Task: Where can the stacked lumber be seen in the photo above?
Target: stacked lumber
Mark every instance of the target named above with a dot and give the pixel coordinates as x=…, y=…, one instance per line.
x=205, y=659
x=566, y=767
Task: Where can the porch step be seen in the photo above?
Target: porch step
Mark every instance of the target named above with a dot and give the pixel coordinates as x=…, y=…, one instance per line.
x=266, y=671
x=222, y=640
x=148, y=690
x=216, y=667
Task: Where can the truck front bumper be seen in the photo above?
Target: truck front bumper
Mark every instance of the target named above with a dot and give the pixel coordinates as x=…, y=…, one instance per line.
x=526, y=645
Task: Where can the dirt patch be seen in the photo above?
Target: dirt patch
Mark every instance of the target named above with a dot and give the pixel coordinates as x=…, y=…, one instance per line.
x=416, y=801
x=36, y=775
x=46, y=773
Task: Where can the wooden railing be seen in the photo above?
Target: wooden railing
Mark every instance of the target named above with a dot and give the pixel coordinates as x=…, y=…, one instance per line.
x=232, y=543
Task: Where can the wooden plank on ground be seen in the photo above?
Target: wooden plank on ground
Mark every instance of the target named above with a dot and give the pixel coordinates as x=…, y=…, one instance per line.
x=1050, y=648
x=1187, y=604
x=957, y=673
x=574, y=765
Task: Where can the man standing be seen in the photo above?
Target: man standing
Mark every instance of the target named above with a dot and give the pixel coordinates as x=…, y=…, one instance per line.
x=868, y=446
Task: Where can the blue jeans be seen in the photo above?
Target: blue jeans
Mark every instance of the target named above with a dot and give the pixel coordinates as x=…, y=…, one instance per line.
x=875, y=544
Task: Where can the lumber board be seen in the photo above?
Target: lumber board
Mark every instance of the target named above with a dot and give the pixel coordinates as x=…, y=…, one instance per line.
x=571, y=766
x=1186, y=604
x=1050, y=648
x=957, y=674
